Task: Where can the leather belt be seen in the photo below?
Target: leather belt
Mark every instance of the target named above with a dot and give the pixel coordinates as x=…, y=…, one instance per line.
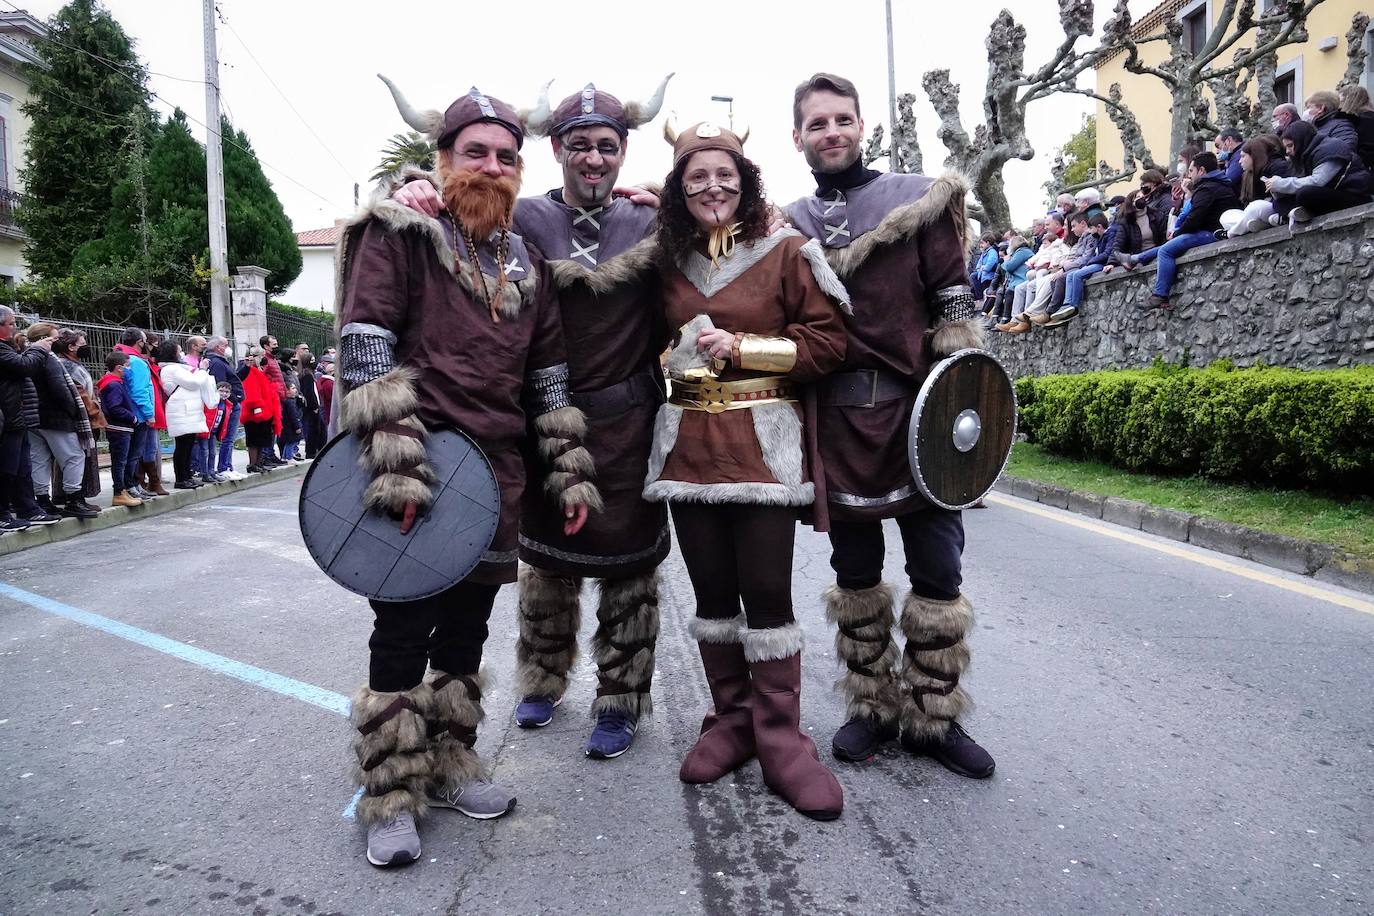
x=640, y=388
x=864, y=388
x=714, y=396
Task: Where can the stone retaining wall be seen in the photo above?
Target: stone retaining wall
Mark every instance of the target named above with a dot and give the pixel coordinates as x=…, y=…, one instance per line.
x=1302, y=298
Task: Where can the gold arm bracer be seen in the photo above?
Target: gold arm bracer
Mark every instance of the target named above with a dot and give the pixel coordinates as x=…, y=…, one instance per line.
x=767, y=354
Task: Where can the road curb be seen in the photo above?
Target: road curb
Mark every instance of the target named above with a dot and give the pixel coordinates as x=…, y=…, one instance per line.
x=113, y=516
x=1309, y=558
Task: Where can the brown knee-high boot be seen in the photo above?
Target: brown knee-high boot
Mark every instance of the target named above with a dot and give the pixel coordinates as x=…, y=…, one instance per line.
x=153, y=471
x=727, y=732
x=785, y=754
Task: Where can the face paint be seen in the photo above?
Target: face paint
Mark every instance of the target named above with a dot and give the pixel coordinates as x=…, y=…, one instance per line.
x=701, y=186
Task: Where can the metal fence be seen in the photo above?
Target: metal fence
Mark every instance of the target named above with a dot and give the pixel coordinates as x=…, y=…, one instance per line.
x=291, y=330
x=101, y=338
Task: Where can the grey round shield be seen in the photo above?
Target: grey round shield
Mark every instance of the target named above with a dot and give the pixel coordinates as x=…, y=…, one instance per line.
x=962, y=428
x=366, y=552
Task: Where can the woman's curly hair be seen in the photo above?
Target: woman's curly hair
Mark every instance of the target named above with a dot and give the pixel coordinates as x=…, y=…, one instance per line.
x=678, y=231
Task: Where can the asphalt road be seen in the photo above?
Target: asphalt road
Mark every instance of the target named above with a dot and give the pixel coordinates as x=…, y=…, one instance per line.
x=1176, y=732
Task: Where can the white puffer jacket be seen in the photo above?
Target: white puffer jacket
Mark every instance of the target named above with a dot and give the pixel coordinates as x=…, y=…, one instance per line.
x=189, y=393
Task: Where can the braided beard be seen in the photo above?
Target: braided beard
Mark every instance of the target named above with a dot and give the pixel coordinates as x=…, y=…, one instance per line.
x=480, y=203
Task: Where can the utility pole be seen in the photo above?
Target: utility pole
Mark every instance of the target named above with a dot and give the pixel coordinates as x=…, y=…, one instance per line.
x=730, y=101
x=891, y=96
x=214, y=175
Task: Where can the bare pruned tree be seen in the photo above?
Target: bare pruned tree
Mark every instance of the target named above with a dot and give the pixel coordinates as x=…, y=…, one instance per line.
x=1355, y=53
x=909, y=157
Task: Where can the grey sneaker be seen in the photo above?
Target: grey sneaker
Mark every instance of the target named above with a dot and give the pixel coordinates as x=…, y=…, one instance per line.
x=475, y=798
x=393, y=842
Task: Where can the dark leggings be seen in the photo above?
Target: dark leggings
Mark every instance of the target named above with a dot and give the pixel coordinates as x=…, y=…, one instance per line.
x=181, y=457
x=446, y=630
x=737, y=553
x=932, y=539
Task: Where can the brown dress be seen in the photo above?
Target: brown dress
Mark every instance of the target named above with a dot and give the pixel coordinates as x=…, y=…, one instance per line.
x=779, y=286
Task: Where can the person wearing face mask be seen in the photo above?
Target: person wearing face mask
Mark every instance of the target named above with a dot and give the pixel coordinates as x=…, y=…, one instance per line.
x=598, y=244
x=1284, y=115
x=1335, y=177
x=734, y=455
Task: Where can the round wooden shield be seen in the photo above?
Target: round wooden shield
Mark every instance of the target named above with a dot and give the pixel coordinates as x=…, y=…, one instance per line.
x=366, y=552
x=962, y=428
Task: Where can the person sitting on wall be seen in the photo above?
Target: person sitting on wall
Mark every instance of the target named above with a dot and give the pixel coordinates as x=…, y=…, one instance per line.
x=1257, y=163
x=1336, y=177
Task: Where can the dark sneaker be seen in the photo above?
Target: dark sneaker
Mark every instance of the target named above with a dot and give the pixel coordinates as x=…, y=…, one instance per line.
x=859, y=738
x=9, y=525
x=74, y=508
x=613, y=735
x=536, y=712
x=475, y=798
x=956, y=751
x=47, y=505
x=1154, y=302
x=393, y=842
x=43, y=518
x=184, y=485
x=142, y=494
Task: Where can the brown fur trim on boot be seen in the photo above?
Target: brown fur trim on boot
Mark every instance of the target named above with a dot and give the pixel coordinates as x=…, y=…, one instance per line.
x=453, y=719
x=936, y=655
x=864, y=643
x=549, y=616
x=391, y=746
x=624, y=644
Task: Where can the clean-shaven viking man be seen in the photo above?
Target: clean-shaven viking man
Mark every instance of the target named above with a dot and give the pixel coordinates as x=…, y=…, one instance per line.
x=447, y=321
x=602, y=257
x=898, y=243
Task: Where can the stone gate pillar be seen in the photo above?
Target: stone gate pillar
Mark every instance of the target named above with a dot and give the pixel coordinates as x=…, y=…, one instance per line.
x=248, y=301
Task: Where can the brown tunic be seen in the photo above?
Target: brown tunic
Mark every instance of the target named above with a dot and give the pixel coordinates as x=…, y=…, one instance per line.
x=893, y=271
x=471, y=369
x=753, y=455
x=602, y=261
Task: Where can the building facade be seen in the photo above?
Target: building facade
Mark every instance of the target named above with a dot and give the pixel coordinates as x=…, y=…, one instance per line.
x=314, y=288
x=1303, y=68
x=18, y=31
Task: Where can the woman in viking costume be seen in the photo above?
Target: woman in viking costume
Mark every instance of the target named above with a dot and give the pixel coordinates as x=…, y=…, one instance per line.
x=759, y=320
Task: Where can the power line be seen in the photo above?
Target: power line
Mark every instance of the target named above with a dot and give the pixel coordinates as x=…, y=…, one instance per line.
x=115, y=68
x=324, y=146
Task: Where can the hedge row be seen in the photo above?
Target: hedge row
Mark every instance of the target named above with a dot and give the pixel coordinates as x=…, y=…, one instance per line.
x=1289, y=427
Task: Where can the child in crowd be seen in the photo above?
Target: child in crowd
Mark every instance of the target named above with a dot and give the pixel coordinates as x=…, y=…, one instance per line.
x=291, y=433
x=118, y=408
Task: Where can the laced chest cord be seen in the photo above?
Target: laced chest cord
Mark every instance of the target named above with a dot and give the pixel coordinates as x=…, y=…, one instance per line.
x=479, y=279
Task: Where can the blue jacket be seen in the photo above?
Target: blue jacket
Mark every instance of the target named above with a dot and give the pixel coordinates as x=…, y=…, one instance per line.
x=987, y=265
x=138, y=379
x=1233, y=169
x=1015, y=266
x=1107, y=245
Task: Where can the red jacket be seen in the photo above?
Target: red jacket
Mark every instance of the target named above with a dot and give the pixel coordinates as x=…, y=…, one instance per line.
x=272, y=369
x=260, y=401
x=159, y=398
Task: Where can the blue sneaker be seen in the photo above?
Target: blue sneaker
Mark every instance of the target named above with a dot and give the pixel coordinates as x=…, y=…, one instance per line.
x=536, y=712
x=613, y=735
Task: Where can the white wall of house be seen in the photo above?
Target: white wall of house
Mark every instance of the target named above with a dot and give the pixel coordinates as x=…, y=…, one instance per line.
x=314, y=288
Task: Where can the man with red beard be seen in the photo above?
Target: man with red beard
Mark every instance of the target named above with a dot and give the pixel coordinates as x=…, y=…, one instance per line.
x=602, y=262
x=447, y=321
x=898, y=243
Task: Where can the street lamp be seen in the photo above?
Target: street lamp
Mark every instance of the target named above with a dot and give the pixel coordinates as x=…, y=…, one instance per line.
x=730, y=101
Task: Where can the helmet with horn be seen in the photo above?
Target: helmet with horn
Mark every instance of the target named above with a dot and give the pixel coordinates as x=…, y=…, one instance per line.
x=472, y=108
x=593, y=107
x=701, y=136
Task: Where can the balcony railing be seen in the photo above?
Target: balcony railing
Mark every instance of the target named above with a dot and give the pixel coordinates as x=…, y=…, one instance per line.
x=9, y=208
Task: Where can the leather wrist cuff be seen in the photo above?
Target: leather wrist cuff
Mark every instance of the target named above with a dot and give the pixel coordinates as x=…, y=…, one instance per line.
x=765, y=354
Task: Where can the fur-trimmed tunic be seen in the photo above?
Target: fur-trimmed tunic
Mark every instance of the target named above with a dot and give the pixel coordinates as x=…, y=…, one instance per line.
x=602, y=262
x=779, y=286
x=397, y=271
x=895, y=242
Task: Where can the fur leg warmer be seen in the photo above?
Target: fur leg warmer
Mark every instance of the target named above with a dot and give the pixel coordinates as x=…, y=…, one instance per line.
x=936, y=655
x=452, y=722
x=626, y=636
x=550, y=616
x=392, y=749
x=865, y=645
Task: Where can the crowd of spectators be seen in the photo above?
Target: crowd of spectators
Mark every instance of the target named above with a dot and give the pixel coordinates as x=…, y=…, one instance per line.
x=53, y=414
x=1316, y=161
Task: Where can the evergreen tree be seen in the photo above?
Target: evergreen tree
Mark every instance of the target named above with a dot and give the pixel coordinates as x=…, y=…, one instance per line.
x=80, y=107
x=259, y=231
x=1080, y=153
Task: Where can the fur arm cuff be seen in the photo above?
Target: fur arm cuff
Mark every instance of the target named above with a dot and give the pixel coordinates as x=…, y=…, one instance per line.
x=382, y=415
x=953, y=336
x=560, y=435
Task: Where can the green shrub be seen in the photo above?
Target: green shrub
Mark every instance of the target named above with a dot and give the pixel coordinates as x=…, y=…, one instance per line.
x=1265, y=425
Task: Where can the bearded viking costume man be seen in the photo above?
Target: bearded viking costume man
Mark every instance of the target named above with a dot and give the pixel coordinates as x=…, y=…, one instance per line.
x=447, y=322
x=601, y=253
x=898, y=242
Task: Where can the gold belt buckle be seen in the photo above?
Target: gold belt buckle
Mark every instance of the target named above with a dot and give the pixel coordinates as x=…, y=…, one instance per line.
x=713, y=395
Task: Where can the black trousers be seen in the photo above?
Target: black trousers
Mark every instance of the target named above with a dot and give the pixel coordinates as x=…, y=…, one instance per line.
x=739, y=553
x=181, y=457
x=446, y=630
x=1318, y=201
x=932, y=539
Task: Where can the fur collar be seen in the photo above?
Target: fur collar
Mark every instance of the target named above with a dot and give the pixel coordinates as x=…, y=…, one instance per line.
x=624, y=267
x=945, y=195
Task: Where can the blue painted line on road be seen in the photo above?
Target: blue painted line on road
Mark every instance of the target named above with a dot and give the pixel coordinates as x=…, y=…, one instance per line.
x=291, y=512
x=351, y=811
x=258, y=677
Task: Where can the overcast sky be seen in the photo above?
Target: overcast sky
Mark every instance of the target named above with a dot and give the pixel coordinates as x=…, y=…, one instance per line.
x=323, y=56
